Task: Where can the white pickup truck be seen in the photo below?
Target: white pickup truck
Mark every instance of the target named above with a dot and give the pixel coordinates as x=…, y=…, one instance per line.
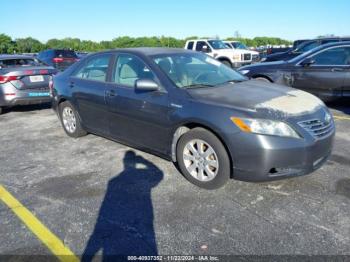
x=218, y=50
x=236, y=45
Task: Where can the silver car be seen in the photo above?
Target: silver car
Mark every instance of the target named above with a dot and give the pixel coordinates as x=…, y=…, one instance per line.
x=24, y=80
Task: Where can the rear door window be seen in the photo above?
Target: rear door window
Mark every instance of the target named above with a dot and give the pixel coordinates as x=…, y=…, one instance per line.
x=19, y=62
x=95, y=69
x=190, y=45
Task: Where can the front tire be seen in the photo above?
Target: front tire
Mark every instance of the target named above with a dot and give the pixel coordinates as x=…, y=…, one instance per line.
x=203, y=159
x=70, y=120
x=226, y=63
x=264, y=79
x=0, y=110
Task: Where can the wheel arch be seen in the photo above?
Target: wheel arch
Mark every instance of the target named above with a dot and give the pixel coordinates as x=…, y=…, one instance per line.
x=187, y=126
x=263, y=76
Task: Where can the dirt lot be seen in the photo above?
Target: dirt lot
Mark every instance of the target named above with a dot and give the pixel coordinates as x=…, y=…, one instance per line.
x=94, y=195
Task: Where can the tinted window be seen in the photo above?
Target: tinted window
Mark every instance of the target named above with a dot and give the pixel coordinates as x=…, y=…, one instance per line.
x=200, y=45
x=19, y=62
x=190, y=45
x=130, y=68
x=95, y=69
x=66, y=53
x=334, y=56
x=304, y=47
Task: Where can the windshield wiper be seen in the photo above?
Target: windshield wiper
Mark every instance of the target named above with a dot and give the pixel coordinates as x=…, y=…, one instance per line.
x=197, y=86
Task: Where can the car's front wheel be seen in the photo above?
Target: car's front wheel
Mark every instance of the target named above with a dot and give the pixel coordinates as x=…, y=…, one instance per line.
x=203, y=159
x=0, y=110
x=70, y=120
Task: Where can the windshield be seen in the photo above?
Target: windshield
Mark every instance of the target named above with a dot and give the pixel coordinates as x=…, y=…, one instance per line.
x=19, y=62
x=196, y=70
x=306, y=46
x=217, y=44
x=239, y=45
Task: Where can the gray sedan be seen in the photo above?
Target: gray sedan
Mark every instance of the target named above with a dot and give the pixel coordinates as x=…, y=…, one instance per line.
x=189, y=108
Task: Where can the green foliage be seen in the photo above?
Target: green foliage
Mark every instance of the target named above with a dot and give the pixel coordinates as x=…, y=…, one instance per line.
x=6, y=44
x=28, y=45
x=261, y=41
x=31, y=45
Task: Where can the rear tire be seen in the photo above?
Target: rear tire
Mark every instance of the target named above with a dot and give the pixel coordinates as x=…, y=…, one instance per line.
x=0, y=110
x=203, y=159
x=70, y=120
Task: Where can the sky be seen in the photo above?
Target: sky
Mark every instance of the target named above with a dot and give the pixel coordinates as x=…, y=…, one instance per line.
x=106, y=19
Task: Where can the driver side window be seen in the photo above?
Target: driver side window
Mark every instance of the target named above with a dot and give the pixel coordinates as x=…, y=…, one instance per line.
x=129, y=69
x=334, y=56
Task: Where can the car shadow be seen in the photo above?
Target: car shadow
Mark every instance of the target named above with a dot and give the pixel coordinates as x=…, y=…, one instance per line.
x=343, y=187
x=125, y=221
x=342, y=104
x=26, y=108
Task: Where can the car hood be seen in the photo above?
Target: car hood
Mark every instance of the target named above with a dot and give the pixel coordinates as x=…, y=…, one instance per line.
x=267, y=100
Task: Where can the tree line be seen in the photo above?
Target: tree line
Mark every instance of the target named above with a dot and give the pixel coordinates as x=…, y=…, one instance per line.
x=32, y=45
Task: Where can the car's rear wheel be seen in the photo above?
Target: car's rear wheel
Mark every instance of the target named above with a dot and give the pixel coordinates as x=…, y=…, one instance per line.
x=70, y=120
x=203, y=159
x=0, y=110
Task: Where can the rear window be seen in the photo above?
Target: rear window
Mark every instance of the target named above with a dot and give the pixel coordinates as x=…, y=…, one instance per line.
x=66, y=53
x=19, y=62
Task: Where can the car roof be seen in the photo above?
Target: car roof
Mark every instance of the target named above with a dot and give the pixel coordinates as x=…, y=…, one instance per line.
x=335, y=44
x=149, y=51
x=5, y=57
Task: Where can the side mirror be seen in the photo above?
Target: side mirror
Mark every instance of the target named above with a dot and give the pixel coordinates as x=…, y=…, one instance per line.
x=307, y=62
x=205, y=49
x=146, y=85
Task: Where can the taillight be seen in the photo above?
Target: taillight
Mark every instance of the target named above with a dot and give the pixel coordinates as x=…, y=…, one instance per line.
x=5, y=79
x=43, y=72
x=57, y=60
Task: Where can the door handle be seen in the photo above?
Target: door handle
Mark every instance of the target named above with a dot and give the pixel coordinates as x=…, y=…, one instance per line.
x=111, y=93
x=337, y=69
x=71, y=84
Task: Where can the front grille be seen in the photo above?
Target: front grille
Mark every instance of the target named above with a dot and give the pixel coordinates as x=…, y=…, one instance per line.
x=255, y=58
x=247, y=57
x=317, y=128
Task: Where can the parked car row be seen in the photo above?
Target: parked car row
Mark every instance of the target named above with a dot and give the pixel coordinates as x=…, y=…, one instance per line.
x=302, y=46
x=323, y=71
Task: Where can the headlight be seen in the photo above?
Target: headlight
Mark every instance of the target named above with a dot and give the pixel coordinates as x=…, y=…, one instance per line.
x=244, y=71
x=263, y=59
x=236, y=57
x=264, y=127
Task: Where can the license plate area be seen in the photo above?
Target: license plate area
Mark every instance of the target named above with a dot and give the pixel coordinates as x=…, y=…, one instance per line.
x=37, y=78
x=39, y=94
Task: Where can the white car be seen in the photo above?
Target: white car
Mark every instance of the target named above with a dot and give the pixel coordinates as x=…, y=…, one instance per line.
x=236, y=45
x=218, y=50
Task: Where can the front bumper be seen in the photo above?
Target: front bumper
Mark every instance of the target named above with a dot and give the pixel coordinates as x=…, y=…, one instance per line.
x=265, y=158
x=241, y=63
